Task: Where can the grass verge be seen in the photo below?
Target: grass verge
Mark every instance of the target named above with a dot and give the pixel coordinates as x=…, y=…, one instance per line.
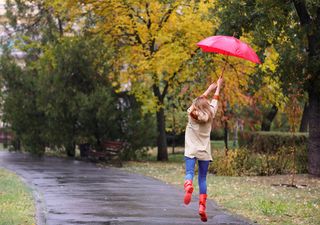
x=16, y=202
x=253, y=197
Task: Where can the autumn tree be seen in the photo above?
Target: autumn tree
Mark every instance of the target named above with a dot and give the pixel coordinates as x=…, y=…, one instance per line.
x=156, y=40
x=293, y=28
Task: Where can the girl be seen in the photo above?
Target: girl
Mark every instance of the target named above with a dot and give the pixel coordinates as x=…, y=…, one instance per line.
x=197, y=144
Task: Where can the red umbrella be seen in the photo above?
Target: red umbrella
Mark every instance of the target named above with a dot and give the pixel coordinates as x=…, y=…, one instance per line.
x=229, y=45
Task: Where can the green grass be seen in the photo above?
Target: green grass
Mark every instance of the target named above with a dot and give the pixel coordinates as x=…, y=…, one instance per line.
x=178, y=156
x=16, y=203
x=219, y=145
x=253, y=197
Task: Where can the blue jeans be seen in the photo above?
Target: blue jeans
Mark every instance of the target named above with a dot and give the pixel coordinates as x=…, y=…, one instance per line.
x=202, y=172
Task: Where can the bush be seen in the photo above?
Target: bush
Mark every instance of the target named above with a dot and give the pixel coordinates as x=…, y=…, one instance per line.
x=217, y=134
x=271, y=142
x=140, y=133
x=243, y=162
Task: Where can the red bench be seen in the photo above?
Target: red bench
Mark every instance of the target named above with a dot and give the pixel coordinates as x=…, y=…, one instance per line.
x=110, y=151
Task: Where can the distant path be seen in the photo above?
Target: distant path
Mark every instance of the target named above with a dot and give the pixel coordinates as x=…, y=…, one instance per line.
x=74, y=192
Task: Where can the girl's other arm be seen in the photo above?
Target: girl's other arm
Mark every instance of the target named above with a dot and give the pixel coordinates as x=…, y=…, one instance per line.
x=210, y=88
x=214, y=101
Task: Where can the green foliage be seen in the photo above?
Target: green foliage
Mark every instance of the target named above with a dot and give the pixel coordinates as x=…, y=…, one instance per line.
x=67, y=99
x=270, y=142
x=62, y=98
x=138, y=129
x=75, y=96
x=97, y=115
x=20, y=108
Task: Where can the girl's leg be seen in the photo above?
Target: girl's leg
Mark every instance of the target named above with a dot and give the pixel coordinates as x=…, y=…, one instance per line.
x=190, y=163
x=202, y=179
x=202, y=176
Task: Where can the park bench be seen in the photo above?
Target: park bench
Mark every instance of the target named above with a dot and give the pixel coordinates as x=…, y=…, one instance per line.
x=110, y=151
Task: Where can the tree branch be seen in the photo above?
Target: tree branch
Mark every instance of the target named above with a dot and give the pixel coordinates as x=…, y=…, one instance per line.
x=181, y=67
x=137, y=14
x=165, y=89
x=156, y=91
x=165, y=17
x=148, y=14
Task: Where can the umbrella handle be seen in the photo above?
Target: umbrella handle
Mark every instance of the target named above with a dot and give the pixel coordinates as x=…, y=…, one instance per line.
x=224, y=67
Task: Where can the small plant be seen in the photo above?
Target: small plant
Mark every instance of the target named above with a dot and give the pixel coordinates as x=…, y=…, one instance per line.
x=271, y=208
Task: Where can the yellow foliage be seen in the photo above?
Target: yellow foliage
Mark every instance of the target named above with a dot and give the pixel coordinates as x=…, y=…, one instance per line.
x=271, y=61
x=155, y=40
x=69, y=12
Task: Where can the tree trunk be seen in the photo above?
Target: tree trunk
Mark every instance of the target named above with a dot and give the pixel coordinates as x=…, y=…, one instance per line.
x=305, y=119
x=162, y=137
x=71, y=150
x=161, y=124
x=268, y=118
x=314, y=133
x=17, y=145
x=173, y=131
x=226, y=134
x=313, y=37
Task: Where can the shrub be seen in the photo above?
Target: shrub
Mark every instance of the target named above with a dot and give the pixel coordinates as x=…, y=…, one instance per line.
x=271, y=142
x=243, y=162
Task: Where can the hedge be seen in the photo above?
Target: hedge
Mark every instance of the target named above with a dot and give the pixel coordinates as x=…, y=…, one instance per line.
x=270, y=142
x=244, y=162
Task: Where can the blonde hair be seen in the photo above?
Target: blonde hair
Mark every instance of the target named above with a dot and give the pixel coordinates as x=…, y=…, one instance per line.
x=202, y=112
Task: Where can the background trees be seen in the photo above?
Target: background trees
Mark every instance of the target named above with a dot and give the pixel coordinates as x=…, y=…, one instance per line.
x=90, y=64
x=292, y=28
x=65, y=98
x=19, y=105
x=76, y=96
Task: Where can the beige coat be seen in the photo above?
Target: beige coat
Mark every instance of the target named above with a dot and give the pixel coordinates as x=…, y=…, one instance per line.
x=197, y=136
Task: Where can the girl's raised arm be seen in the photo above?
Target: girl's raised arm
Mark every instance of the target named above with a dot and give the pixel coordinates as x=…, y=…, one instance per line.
x=214, y=101
x=210, y=88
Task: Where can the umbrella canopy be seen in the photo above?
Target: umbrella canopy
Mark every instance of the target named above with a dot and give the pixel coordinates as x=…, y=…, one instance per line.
x=228, y=45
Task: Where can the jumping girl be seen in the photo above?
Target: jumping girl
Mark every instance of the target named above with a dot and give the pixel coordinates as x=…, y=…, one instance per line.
x=197, y=144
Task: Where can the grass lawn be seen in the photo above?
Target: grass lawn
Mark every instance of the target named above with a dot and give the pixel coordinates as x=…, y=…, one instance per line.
x=16, y=202
x=253, y=197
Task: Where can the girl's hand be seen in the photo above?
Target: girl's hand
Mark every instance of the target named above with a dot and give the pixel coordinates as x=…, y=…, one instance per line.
x=220, y=81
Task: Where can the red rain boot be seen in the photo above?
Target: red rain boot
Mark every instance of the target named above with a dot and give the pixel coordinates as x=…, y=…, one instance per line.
x=202, y=207
x=188, y=189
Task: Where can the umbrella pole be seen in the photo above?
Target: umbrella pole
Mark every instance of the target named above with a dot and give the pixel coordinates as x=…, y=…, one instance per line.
x=224, y=108
x=224, y=67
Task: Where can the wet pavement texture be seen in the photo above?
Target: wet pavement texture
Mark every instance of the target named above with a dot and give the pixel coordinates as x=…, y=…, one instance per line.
x=75, y=192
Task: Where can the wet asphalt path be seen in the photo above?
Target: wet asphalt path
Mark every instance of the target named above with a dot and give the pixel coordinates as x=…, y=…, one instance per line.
x=75, y=192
